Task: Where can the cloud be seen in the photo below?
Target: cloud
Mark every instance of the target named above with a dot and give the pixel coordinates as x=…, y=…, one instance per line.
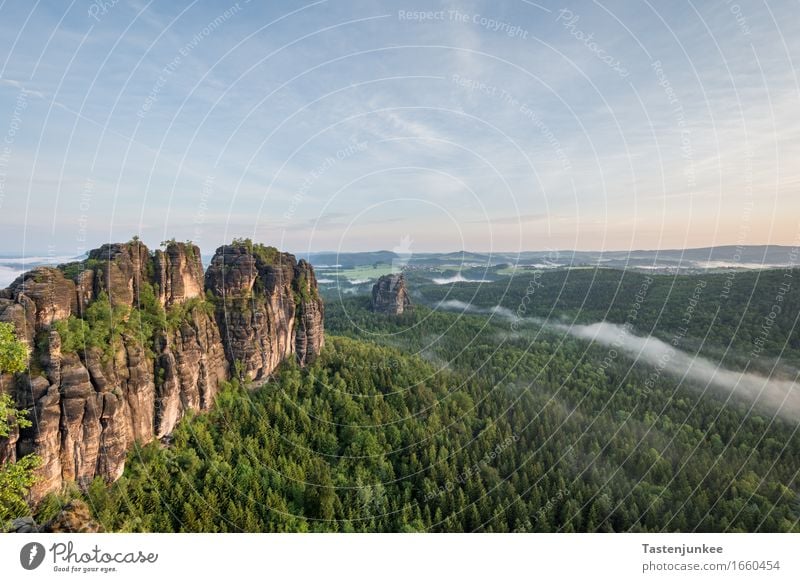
x=512, y=220
x=456, y=305
x=17, y=85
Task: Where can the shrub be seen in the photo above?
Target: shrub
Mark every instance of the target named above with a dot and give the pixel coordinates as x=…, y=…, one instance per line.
x=74, y=333
x=268, y=255
x=72, y=270
x=181, y=312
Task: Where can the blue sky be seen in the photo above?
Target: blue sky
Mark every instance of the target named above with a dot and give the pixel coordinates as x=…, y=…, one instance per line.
x=351, y=125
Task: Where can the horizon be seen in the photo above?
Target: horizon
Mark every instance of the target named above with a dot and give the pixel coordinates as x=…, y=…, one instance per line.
x=48, y=253
x=12, y=266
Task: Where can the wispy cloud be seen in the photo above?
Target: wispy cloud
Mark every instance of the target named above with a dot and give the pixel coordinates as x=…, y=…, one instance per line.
x=535, y=131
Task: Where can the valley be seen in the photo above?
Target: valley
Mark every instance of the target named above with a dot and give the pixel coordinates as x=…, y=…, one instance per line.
x=442, y=420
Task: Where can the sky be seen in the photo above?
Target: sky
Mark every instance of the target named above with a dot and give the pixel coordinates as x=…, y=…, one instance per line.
x=426, y=126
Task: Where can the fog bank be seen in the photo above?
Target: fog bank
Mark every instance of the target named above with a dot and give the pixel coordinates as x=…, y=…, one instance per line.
x=772, y=395
x=456, y=305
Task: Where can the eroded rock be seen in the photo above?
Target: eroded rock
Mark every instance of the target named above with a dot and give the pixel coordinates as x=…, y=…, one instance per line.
x=390, y=295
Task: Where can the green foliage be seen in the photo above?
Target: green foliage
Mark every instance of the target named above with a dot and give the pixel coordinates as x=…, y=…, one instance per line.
x=13, y=359
x=101, y=328
x=148, y=299
x=728, y=317
x=104, y=326
x=182, y=312
x=262, y=446
x=212, y=299
x=188, y=247
x=370, y=439
x=10, y=417
x=96, y=265
x=52, y=503
x=268, y=255
x=74, y=333
x=302, y=292
x=13, y=353
x=72, y=270
x=15, y=478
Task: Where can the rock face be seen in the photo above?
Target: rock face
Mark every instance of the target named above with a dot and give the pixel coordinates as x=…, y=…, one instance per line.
x=309, y=336
x=268, y=307
x=389, y=295
x=179, y=273
x=189, y=370
x=88, y=405
x=120, y=269
x=23, y=525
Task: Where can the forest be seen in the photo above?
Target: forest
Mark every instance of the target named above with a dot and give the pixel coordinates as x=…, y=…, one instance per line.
x=729, y=311
x=446, y=421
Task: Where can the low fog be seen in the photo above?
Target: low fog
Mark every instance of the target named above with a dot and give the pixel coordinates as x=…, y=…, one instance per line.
x=457, y=278
x=772, y=395
x=456, y=305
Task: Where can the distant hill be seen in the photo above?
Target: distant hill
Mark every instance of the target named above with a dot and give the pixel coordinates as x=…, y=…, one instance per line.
x=348, y=260
x=729, y=256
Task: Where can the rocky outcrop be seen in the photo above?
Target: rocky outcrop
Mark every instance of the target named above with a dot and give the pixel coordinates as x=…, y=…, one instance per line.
x=189, y=370
x=172, y=335
x=23, y=525
x=73, y=517
x=309, y=335
x=179, y=273
x=53, y=297
x=119, y=270
x=389, y=295
x=268, y=307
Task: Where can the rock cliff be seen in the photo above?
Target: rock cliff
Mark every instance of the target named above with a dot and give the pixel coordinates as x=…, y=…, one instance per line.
x=125, y=342
x=389, y=295
x=269, y=308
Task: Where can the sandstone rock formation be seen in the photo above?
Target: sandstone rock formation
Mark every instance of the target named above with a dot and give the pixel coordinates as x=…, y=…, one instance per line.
x=270, y=307
x=168, y=336
x=389, y=295
x=120, y=269
x=179, y=273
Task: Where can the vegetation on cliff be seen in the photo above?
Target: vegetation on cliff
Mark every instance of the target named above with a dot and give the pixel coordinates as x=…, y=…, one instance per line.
x=15, y=477
x=106, y=327
x=268, y=255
